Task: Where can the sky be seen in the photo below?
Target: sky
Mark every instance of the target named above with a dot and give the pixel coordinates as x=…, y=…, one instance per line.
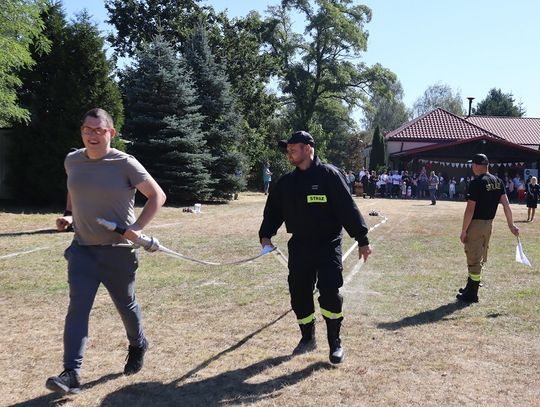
x=470, y=45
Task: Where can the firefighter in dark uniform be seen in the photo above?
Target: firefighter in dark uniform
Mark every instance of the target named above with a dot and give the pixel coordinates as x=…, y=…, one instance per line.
x=315, y=203
x=485, y=193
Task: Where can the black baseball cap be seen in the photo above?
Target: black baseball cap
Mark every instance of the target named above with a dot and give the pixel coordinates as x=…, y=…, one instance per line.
x=298, y=137
x=480, y=159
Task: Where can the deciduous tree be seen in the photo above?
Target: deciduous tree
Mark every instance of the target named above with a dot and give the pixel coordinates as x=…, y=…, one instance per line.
x=388, y=112
x=438, y=95
x=20, y=27
x=318, y=64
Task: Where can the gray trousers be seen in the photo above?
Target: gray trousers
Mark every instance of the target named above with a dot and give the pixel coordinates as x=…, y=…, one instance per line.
x=88, y=267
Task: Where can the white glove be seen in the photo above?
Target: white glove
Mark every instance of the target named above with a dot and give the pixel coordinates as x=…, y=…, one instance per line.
x=266, y=249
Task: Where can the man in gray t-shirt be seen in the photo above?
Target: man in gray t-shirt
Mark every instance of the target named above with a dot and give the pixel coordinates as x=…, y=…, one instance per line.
x=102, y=182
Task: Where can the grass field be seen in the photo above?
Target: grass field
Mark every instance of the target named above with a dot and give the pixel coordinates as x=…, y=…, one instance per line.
x=222, y=336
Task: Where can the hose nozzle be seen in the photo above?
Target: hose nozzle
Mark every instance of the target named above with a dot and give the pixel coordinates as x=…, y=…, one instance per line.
x=148, y=243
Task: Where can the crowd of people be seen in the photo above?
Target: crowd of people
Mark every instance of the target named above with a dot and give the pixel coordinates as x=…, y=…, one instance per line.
x=426, y=185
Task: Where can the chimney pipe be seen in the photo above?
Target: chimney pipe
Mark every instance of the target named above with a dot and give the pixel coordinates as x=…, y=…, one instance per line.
x=470, y=105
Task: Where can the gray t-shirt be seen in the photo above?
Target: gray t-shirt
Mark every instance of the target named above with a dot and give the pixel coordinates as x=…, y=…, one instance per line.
x=103, y=188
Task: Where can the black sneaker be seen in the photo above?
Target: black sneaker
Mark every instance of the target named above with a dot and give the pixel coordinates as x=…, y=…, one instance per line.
x=135, y=359
x=66, y=382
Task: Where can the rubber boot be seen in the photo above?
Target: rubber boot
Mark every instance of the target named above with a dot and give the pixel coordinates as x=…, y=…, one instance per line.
x=308, y=342
x=337, y=354
x=470, y=292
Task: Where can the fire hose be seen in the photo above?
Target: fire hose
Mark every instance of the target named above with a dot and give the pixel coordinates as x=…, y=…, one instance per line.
x=152, y=244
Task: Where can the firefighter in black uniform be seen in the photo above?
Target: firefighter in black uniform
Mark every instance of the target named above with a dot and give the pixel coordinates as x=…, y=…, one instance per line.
x=315, y=203
x=485, y=193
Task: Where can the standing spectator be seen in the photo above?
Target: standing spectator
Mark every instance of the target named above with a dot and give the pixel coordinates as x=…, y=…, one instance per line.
x=361, y=174
x=389, y=184
x=423, y=183
x=382, y=183
x=452, y=188
x=461, y=188
x=433, y=185
x=533, y=192
x=521, y=190
x=485, y=193
x=350, y=181
x=396, y=184
x=365, y=183
x=267, y=177
x=372, y=184
x=442, y=190
x=102, y=182
x=516, y=180
x=510, y=190
x=414, y=186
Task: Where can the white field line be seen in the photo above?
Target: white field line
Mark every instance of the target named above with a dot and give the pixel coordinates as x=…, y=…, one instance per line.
x=164, y=225
x=359, y=264
x=283, y=259
x=37, y=249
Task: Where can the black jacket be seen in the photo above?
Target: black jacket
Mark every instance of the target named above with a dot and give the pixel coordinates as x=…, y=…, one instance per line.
x=314, y=204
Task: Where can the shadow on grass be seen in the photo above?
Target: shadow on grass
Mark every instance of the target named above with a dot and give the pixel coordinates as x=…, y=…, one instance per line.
x=232, y=348
x=209, y=392
x=46, y=231
x=425, y=317
x=31, y=232
x=55, y=399
x=230, y=388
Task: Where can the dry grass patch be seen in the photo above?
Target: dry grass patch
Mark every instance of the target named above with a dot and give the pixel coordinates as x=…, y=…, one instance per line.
x=223, y=335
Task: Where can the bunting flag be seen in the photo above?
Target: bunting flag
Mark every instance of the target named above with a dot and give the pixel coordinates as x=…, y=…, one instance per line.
x=465, y=165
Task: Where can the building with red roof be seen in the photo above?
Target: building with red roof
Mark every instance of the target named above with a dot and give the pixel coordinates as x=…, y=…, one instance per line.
x=442, y=139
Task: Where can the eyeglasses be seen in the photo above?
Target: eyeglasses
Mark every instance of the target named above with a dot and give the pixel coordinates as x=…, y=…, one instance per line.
x=88, y=131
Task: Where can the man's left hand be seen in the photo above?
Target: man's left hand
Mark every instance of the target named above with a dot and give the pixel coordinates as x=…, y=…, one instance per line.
x=132, y=234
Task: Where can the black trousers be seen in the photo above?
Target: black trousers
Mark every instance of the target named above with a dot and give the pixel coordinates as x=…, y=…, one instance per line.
x=315, y=263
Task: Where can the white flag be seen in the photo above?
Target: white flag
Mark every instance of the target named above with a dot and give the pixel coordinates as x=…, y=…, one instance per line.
x=520, y=256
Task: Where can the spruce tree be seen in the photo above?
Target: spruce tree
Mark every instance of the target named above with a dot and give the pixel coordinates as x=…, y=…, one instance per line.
x=377, y=156
x=222, y=122
x=72, y=78
x=163, y=122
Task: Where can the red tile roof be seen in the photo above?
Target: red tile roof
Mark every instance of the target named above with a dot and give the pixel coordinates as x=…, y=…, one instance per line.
x=518, y=130
x=438, y=125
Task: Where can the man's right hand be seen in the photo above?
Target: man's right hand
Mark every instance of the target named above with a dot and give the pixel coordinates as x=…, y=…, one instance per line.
x=63, y=223
x=266, y=242
x=267, y=245
x=514, y=229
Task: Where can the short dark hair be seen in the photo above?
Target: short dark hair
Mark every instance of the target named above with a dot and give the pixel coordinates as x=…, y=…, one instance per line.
x=99, y=113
